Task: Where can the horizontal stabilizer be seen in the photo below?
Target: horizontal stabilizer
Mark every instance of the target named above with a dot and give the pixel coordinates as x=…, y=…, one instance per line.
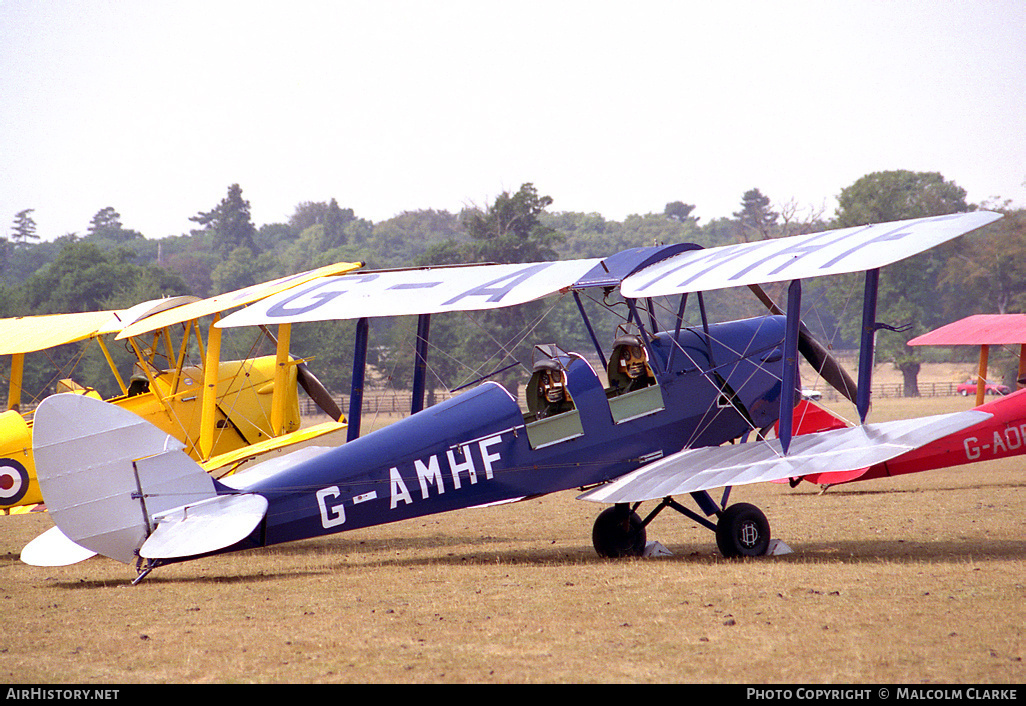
x=694, y=470
x=53, y=548
x=204, y=527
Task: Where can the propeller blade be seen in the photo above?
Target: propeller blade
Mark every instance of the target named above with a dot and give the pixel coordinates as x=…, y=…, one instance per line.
x=815, y=353
x=826, y=365
x=317, y=392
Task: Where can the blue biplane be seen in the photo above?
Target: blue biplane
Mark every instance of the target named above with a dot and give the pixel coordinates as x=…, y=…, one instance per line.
x=683, y=412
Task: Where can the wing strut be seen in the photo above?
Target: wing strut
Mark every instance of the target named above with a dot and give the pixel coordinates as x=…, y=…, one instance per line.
x=645, y=339
x=14, y=389
x=679, y=326
x=420, y=362
x=591, y=331
x=867, y=344
x=359, y=371
x=788, y=382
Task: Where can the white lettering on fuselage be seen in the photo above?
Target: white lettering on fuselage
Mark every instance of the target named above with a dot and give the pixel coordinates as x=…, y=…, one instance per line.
x=1001, y=442
x=334, y=515
x=427, y=472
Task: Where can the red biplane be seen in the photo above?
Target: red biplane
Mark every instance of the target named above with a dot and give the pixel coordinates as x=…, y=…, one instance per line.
x=1003, y=434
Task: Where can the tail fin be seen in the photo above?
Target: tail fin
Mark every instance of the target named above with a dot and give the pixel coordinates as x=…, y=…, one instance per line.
x=110, y=480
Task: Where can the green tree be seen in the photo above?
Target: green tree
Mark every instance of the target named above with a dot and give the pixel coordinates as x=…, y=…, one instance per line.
x=229, y=223
x=330, y=215
x=106, y=225
x=335, y=220
x=511, y=229
x=106, y=219
x=236, y=271
x=987, y=272
x=679, y=211
x=755, y=220
x=405, y=238
x=5, y=254
x=85, y=278
x=24, y=227
x=895, y=195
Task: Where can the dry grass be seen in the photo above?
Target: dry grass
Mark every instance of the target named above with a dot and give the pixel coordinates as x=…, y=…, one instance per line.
x=914, y=579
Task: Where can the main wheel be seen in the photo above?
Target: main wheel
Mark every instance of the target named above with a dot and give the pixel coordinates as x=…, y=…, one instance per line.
x=618, y=532
x=742, y=530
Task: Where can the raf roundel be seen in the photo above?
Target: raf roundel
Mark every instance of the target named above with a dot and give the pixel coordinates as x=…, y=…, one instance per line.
x=14, y=481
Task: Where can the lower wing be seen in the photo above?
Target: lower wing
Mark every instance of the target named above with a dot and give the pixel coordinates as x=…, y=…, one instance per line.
x=836, y=450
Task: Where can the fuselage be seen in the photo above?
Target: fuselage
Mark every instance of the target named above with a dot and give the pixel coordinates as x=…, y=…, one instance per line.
x=478, y=448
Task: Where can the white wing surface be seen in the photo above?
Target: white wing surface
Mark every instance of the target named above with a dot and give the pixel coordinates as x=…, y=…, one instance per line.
x=405, y=292
x=800, y=256
x=761, y=461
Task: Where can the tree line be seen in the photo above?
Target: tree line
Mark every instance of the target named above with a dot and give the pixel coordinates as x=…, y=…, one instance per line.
x=113, y=266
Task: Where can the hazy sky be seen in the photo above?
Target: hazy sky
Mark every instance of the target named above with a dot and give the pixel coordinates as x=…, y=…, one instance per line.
x=155, y=108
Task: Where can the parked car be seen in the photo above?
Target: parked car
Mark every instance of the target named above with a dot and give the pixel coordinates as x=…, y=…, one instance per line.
x=990, y=388
x=813, y=395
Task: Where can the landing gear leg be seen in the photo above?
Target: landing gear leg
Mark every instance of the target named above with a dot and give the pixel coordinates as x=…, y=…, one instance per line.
x=143, y=570
x=619, y=532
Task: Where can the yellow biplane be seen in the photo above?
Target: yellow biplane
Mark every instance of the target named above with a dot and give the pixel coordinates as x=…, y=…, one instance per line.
x=227, y=413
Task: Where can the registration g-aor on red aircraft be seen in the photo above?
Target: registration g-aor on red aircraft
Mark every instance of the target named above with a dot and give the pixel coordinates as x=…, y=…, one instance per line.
x=682, y=415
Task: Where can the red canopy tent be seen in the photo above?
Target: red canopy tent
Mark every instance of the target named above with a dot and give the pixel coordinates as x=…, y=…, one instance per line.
x=983, y=330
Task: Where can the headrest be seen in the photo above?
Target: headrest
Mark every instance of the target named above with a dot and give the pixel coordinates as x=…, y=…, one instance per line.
x=628, y=339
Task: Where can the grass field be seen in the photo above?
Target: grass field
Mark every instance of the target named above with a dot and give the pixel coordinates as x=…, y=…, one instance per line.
x=904, y=580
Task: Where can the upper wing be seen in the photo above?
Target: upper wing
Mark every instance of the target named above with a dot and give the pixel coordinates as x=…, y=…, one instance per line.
x=230, y=300
x=422, y=291
x=132, y=315
x=853, y=448
x=813, y=255
x=26, y=334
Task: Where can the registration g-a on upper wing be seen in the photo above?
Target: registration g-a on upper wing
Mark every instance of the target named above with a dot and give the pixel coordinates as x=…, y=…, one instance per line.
x=800, y=256
x=231, y=300
x=429, y=290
